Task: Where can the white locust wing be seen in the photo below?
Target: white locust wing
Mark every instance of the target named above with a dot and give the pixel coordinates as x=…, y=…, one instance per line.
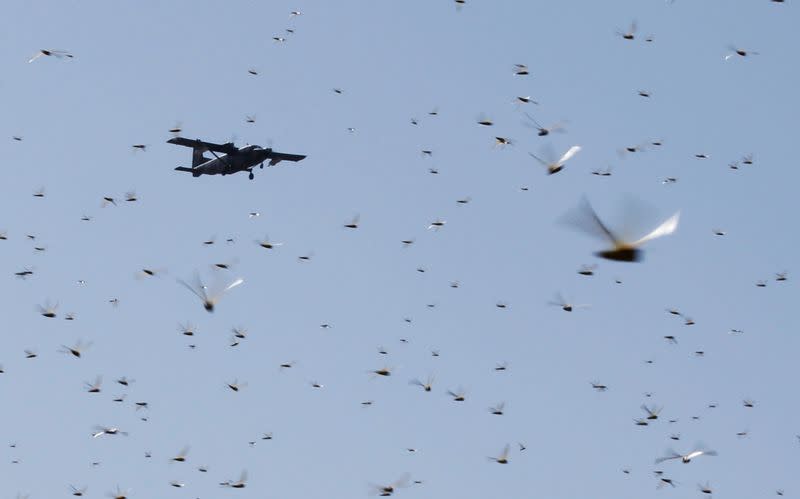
x=567, y=155
x=233, y=285
x=665, y=229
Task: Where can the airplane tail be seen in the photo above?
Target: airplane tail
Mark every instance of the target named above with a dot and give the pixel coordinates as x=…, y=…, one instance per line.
x=194, y=172
x=197, y=157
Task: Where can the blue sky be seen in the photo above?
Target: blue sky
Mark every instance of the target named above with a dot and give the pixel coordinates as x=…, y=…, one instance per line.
x=141, y=67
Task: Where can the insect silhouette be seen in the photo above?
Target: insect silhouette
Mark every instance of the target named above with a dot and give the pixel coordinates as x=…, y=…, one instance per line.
x=48, y=310
x=541, y=130
x=503, y=457
x=555, y=165
x=685, y=458
x=622, y=250
x=78, y=492
x=427, y=385
x=181, y=456
x=238, y=484
x=630, y=34
x=209, y=299
x=58, y=54
x=77, y=349
x=388, y=490
x=652, y=413
x=566, y=306
x=457, y=396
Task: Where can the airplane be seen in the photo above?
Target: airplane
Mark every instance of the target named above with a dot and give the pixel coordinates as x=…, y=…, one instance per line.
x=233, y=159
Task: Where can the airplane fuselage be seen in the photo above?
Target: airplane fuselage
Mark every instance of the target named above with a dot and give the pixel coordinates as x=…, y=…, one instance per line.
x=247, y=158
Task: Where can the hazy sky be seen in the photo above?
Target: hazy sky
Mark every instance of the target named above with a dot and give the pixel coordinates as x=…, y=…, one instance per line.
x=141, y=67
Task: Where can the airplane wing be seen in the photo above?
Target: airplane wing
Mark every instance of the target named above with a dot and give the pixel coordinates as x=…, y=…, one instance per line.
x=228, y=148
x=276, y=157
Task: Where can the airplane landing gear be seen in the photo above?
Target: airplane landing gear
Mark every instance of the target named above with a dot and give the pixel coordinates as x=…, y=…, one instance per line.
x=252, y=176
x=262, y=165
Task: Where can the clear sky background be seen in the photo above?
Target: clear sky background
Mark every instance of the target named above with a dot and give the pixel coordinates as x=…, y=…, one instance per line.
x=141, y=67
